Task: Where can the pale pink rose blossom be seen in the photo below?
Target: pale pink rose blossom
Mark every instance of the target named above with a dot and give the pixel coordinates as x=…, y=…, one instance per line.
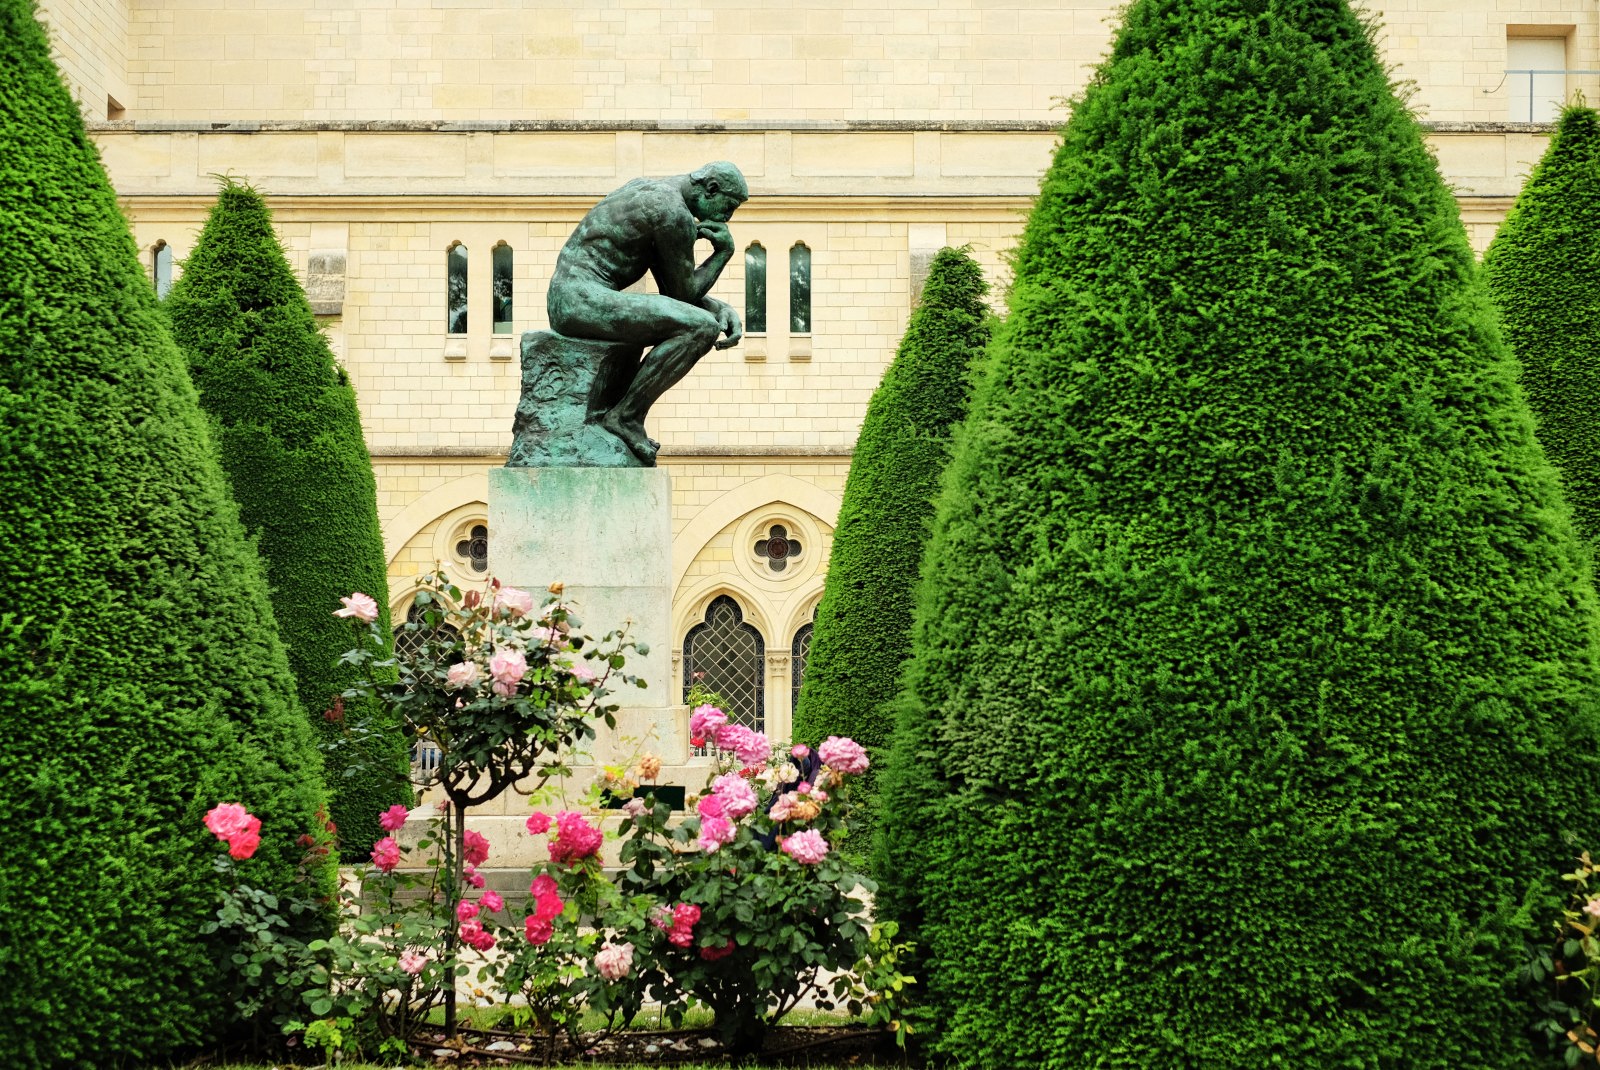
x=507, y=667
x=634, y=807
x=807, y=848
x=513, y=601
x=386, y=854
x=799, y=751
x=359, y=606
x=584, y=675
x=462, y=674
x=715, y=830
x=613, y=961
x=393, y=819
x=843, y=755
x=1592, y=908
x=412, y=961
x=783, y=809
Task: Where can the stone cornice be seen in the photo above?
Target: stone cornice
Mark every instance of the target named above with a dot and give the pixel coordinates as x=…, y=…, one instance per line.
x=726, y=126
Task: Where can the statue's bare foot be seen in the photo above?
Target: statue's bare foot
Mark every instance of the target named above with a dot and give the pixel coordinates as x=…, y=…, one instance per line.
x=632, y=435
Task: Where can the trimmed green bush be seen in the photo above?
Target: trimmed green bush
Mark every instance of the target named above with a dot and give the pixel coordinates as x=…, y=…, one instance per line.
x=144, y=680
x=1253, y=679
x=863, y=629
x=1544, y=274
x=285, y=419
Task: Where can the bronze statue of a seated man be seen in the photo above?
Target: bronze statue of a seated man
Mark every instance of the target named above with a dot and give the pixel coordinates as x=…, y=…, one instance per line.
x=651, y=224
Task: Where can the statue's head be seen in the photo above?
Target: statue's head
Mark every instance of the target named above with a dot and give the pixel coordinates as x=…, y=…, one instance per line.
x=715, y=190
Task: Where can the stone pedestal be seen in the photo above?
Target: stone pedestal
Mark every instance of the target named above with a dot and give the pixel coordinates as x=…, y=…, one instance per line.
x=606, y=534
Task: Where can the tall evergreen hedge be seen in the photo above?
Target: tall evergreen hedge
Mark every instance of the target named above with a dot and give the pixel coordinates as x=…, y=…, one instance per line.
x=863, y=628
x=143, y=680
x=1254, y=672
x=285, y=419
x=1544, y=274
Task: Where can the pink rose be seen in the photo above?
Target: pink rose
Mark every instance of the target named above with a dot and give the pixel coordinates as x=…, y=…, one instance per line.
x=613, y=961
x=393, y=819
x=738, y=797
x=706, y=720
x=471, y=875
x=227, y=819
x=538, y=932
x=474, y=848
x=538, y=823
x=466, y=910
x=799, y=751
x=712, y=954
x=843, y=755
x=492, y=902
x=513, y=602
x=807, y=848
x=1592, y=908
x=783, y=809
x=412, y=961
x=711, y=806
x=462, y=674
x=634, y=807
x=507, y=667
x=474, y=935
x=542, y=885
x=575, y=838
x=684, y=918
x=359, y=606
x=244, y=844
x=714, y=832
x=386, y=854
x=584, y=675
x=749, y=745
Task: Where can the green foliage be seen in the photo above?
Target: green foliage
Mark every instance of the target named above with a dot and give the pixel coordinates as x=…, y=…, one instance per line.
x=144, y=678
x=1254, y=664
x=1544, y=274
x=1563, y=972
x=285, y=420
x=863, y=629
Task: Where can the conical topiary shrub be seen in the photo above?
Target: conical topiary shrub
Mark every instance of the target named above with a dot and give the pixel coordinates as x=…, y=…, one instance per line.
x=1253, y=674
x=285, y=420
x=863, y=628
x=1544, y=274
x=144, y=681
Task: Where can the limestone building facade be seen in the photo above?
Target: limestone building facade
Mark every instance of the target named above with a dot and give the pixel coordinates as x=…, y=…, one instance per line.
x=425, y=160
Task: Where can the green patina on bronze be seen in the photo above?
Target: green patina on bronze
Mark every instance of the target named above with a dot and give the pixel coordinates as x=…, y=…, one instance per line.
x=588, y=383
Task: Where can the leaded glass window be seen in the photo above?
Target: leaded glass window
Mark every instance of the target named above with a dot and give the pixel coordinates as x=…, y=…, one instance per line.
x=799, y=655
x=474, y=549
x=455, y=263
x=410, y=636
x=800, y=289
x=755, y=289
x=777, y=547
x=502, y=288
x=161, y=267
x=727, y=656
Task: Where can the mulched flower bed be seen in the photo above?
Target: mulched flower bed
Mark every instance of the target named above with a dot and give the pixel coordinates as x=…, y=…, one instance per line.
x=840, y=1045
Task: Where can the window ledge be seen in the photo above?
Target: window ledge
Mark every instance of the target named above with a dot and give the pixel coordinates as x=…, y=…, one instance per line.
x=755, y=348
x=800, y=347
x=455, y=347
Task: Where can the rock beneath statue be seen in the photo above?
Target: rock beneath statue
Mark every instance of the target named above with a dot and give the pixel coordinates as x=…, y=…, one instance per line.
x=568, y=384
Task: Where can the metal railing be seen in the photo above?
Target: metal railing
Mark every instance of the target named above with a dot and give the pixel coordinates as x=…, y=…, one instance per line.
x=1515, y=76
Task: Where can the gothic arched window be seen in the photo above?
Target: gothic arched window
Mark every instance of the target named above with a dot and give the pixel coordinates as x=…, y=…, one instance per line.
x=455, y=289
x=755, y=289
x=725, y=655
x=503, y=259
x=800, y=289
x=799, y=655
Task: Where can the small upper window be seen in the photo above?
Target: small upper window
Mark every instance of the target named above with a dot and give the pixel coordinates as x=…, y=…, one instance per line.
x=800, y=289
x=161, y=267
x=502, y=288
x=1536, y=78
x=456, y=289
x=755, y=289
